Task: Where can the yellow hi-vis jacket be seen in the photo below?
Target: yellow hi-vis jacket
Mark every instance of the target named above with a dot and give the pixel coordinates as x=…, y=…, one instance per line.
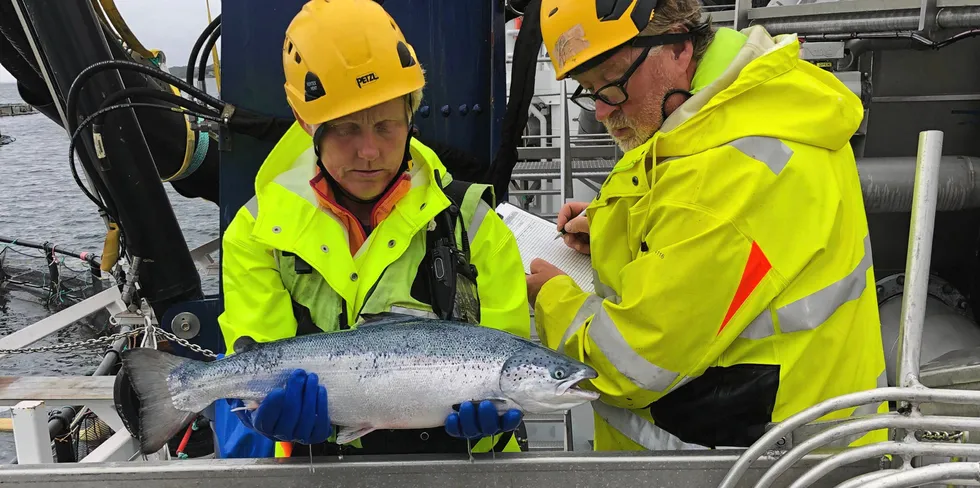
x=732, y=264
x=264, y=293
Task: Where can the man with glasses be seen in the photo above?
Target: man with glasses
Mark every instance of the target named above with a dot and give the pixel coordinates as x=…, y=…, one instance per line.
x=731, y=255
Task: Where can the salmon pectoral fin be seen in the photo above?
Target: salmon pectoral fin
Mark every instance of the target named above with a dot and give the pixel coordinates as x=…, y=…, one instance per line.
x=351, y=434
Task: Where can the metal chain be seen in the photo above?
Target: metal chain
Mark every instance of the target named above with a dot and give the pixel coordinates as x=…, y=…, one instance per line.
x=69, y=346
x=941, y=436
x=184, y=342
x=109, y=339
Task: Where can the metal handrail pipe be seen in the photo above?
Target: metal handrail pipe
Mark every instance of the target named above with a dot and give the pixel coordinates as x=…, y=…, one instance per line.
x=877, y=395
x=861, y=425
x=881, y=449
x=555, y=176
x=919, y=257
x=928, y=474
x=950, y=18
x=860, y=481
x=870, y=21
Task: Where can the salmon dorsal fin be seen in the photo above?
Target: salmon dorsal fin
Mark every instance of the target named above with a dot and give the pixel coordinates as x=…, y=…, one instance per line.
x=387, y=318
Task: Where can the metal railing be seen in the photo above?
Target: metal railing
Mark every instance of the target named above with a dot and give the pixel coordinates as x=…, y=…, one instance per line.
x=28, y=406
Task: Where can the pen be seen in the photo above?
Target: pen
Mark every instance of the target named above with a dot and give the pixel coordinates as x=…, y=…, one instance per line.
x=562, y=231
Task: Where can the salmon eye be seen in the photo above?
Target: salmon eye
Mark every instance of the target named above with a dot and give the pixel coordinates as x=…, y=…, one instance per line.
x=558, y=374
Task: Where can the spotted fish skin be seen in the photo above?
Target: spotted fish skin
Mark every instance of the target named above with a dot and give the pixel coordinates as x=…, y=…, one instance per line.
x=394, y=372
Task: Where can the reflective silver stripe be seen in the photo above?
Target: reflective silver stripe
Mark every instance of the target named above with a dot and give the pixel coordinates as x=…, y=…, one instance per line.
x=773, y=152
x=641, y=372
x=253, y=207
x=591, y=305
x=478, y=215
x=883, y=380
x=810, y=311
x=760, y=327
x=412, y=311
x=640, y=430
x=602, y=289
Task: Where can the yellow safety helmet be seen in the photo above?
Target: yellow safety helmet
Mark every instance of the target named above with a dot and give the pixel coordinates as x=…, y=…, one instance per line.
x=580, y=34
x=342, y=56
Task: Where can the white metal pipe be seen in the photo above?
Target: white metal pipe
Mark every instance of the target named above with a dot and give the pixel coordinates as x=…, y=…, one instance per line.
x=120, y=447
x=542, y=121
x=858, y=426
x=31, y=436
x=861, y=481
x=919, y=255
x=881, y=449
x=928, y=474
x=875, y=396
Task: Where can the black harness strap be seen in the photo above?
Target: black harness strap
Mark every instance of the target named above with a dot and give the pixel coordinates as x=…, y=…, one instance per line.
x=526, y=49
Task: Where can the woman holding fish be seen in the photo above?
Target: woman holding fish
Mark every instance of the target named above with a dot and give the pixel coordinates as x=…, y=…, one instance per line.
x=352, y=216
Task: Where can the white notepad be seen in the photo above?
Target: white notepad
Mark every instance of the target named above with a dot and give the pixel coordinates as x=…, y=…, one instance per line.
x=536, y=239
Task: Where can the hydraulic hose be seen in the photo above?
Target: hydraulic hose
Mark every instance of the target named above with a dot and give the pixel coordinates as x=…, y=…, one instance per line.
x=192, y=61
x=88, y=73
x=89, y=120
x=203, y=63
x=160, y=95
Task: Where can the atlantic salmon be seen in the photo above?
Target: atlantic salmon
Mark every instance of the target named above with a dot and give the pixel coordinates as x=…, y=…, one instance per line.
x=392, y=372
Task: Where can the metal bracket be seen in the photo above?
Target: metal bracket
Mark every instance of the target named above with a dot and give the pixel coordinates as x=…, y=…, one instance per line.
x=185, y=325
x=927, y=16
x=128, y=318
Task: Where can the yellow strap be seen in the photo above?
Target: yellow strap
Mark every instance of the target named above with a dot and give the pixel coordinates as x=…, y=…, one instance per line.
x=188, y=148
x=127, y=35
x=214, y=51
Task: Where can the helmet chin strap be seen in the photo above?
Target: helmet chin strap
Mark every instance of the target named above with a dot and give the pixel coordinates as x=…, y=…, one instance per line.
x=670, y=93
x=336, y=187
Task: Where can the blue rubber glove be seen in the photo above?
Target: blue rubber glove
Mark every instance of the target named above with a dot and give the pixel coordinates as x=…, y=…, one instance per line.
x=296, y=413
x=473, y=423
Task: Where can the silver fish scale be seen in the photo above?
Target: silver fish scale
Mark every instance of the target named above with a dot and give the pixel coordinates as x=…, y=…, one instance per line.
x=382, y=375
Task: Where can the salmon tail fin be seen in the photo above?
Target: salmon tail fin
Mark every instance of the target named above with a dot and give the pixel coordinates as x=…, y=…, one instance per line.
x=159, y=420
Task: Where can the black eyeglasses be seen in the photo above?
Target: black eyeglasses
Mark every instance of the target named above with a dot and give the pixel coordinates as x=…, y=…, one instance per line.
x=615, y=93
x=611, y=94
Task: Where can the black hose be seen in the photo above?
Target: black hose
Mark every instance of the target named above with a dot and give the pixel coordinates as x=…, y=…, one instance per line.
x=192, y=61
x=71, y=108
x=89, y=120
x=203, y=65
x=152, y=93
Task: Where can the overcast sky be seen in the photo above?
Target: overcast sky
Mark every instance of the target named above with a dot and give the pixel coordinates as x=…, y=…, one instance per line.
x=171, y=26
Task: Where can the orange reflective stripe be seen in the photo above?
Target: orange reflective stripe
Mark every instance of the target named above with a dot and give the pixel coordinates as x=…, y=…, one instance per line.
x=755, y=269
